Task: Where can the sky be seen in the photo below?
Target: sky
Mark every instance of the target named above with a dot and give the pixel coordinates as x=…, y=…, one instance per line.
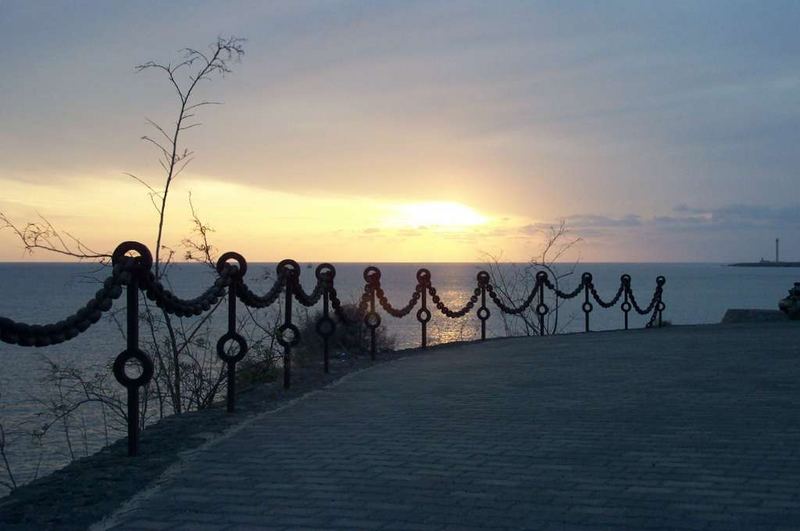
x=414, y=131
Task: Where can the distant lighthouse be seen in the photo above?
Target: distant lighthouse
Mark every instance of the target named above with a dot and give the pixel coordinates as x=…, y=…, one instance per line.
x=777, y=250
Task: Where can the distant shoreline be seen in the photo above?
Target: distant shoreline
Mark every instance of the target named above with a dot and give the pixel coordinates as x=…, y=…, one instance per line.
x=765, y=264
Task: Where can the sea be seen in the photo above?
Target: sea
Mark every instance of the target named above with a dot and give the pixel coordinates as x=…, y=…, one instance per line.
x=39, y=293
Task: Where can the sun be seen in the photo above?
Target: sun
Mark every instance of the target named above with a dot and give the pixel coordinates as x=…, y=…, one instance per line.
x=434, y=214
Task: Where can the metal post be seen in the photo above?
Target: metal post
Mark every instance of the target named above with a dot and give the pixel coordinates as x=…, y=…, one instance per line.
x=424, y=314
x=372, y=335
x=541, y=308
x=132, y=310
x=586, y=279
x=626, y=288
x=483, y=311
x=372, y=276
x=287, y=346
x=424, y=322
x=288, y=334
x=325, y=326
x=325, y=337
x=135, y=268
x=660, y=281
x=235, y=277
x=231, y=363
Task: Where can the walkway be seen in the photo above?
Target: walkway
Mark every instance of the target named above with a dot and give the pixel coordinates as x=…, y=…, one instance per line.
x=680, y=428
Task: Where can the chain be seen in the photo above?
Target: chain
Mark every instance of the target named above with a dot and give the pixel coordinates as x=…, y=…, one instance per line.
x=173, y=304
x=35, y=335
x=124, y=267
x=454, y=314
x=610, y=303
x=249, y=298
x=398, y=312
x=649, y=308
x=562, y=294
x=509, y=309
x=310, y=299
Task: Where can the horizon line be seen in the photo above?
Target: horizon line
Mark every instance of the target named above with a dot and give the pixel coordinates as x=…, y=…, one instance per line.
x=404, y=262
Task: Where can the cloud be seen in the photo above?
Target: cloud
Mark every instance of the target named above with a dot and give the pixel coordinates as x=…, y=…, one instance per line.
x=733, y=216
x=728, y=232
x=584, y=222
x=631, y=220
x=736, y=216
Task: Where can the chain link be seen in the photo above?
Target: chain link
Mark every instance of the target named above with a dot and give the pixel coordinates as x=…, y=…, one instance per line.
x=454, y=314
x=610, y=303
x=171, y=303
x=510, y=309
x=310, y=299
x=28, y=335
x=398, y=312
x=249, y=298
x=563, y=294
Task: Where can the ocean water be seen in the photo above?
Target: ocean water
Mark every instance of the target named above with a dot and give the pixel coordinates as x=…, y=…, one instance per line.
x=42, y=293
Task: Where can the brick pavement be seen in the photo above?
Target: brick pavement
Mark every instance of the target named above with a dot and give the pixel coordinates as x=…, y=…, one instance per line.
x=678, y=428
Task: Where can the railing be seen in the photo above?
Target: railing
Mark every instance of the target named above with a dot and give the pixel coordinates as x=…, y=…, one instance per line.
x=135, y=275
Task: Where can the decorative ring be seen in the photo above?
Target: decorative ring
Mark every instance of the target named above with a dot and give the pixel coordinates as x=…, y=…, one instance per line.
x=372, y=320
x=240, y=262
x=423, y=315
x=325, y=327
x=587, y=307
x=483, y=278
x=541, y=276
x=660, y=306
x=483, y=313
x=542, y=309
x=222, y=351
x=626, y=307
x=144, y=360
x=283, y=329
x=372, y=275
x=288, y=266
x=586, y=278
x=661, y=280
x=625, y=279
x=325, y=271
x=144, y=260
x=424, y=276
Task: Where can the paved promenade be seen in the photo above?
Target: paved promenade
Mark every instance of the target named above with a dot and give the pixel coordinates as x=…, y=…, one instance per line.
x=678, y=428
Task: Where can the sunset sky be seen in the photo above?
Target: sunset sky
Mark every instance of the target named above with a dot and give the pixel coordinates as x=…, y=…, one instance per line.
x=415, y=131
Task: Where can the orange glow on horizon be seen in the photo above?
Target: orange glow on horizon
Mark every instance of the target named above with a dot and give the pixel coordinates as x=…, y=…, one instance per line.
x=263, y=224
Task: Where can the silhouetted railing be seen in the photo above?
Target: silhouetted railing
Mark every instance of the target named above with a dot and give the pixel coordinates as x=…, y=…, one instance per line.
x=134, y=273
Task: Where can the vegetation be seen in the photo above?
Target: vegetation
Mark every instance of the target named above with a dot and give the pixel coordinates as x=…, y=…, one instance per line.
x=513, y=283
x=350, y=339
x=188, y=374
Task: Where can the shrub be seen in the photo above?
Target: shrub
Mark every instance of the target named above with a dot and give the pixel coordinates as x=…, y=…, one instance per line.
x=350, y=339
